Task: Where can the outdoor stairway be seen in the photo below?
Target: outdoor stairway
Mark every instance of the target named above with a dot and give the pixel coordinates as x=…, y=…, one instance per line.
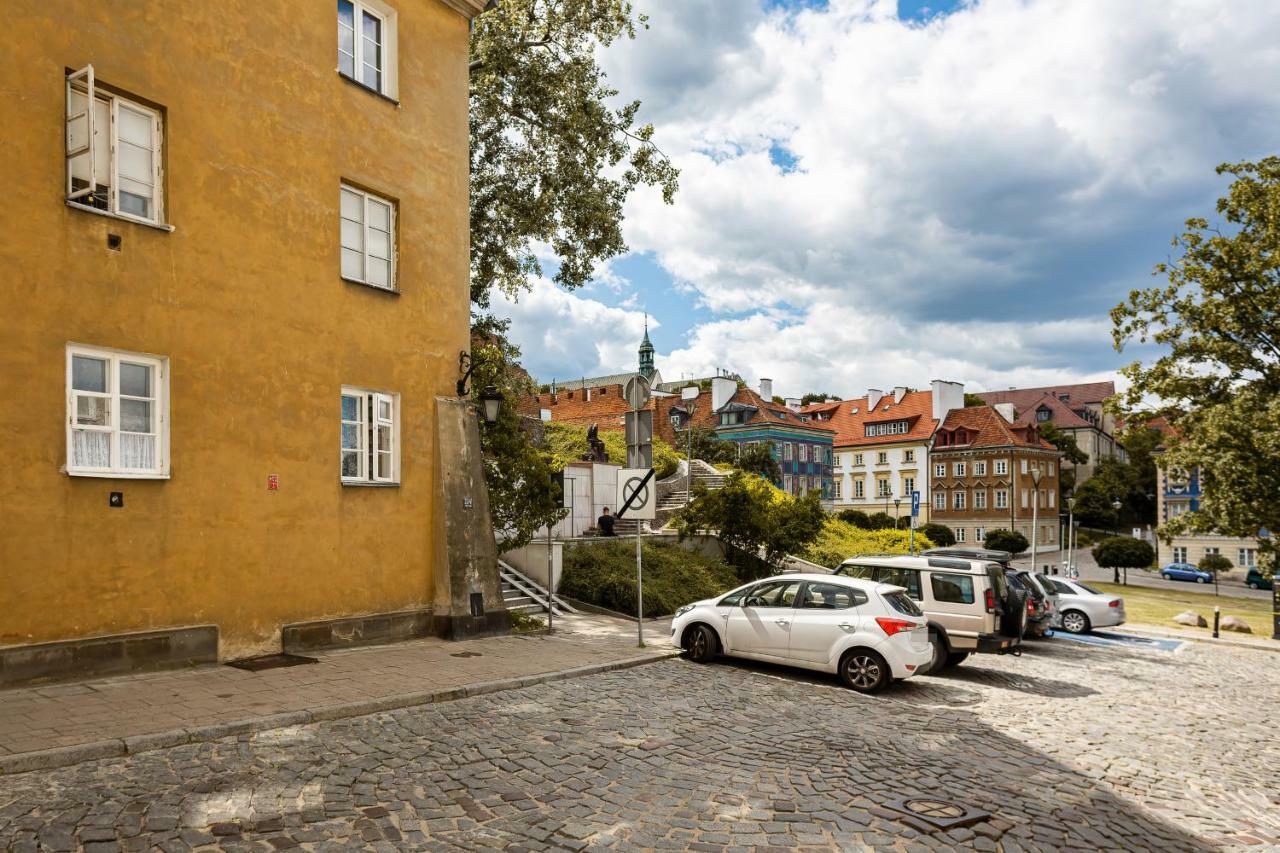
x=523, y=594
x=710, y=476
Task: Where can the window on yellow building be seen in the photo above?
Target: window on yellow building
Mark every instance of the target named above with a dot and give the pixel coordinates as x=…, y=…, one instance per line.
x=113, y=151
x=117, y=414
x=370, y=446
x=368, y=238
x=367, y=44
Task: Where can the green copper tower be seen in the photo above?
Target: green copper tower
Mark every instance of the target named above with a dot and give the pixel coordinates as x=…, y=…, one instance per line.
x=646, y=352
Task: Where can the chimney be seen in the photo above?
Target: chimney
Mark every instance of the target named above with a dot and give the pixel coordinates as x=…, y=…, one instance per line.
x=1006, y=411
x=899, y=391
x=874, y=396
x=946, y=397
x=793, y=403
x=766, y=389
x=722, y=390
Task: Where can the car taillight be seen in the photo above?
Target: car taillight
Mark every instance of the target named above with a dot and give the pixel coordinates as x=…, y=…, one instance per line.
x=892, y=626
x=1115, y=602
x=1031, y=607
x=990, y=600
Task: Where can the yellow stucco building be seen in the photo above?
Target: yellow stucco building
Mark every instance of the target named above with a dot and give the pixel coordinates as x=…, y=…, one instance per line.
x=235, y=281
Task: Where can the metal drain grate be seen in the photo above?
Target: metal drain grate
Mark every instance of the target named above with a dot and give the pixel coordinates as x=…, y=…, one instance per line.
x=928, y=814
x=466, y=655
x=270, y=662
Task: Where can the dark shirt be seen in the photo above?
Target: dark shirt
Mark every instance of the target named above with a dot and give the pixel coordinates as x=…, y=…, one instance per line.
x=605, y=523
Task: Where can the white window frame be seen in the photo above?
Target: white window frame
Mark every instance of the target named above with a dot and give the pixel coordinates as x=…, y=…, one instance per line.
x=1024, y=466
x=859, y=488
x=1002, y=499
x=960, y=535
x=939, y=500
x=1179, y=553
x=84, y=83
x=960, y=468
x=940, y=469
x=1002, y=467
x=980, y=469
x=857, y=459
x=160, y=414
x=908, y=456
x=368, y=420
x=884, y=488
x=882, y=458
x=388, y=80
x=908, y=486
x=979, y=534
x=958, y=499
x=979, y=498
x=1247, y=557
x=393, y=241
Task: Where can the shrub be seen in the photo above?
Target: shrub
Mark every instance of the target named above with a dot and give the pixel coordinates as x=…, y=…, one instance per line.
x=1083, y=539
x=856, y=517
x=604, y=574
x=1214, y=564
x=840, y=540
x=939, y=534
x=880, y=521
x=568, y=442
x=1006, y=540
x=1123, y=552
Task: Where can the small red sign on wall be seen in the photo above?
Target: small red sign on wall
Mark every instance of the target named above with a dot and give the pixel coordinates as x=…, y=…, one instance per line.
x=273, y=482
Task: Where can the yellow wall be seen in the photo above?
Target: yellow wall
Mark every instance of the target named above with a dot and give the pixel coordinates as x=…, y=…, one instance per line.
x=245, y=299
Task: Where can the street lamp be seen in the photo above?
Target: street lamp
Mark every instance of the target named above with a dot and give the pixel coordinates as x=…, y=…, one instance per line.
x=896, y=503
x=1071, y=510
x=1036, y=473
x=491, y=403
x=1116, y=504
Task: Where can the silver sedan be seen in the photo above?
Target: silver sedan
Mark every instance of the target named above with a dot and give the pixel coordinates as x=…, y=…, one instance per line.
x=1081, y=608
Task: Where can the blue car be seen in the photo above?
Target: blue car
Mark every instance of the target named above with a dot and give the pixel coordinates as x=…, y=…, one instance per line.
x=1185, y=572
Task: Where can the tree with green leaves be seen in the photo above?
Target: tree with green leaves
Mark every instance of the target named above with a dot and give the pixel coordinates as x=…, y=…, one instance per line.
x=1065, y=442
x=757, y=525
x=856, y=517
x=971, y=400
x=758, y=459
x=813, y=397
x=1093, y=507
x=1216, y=322
x=1006, y=540
x=552, y=158
x=1123, y=552
x=939, y=534
x=1214, y=564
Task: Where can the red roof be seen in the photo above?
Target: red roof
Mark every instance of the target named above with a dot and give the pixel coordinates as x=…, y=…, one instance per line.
x=1061, y=414
x=849, y=418
x=983, y=426
x=1076, y=395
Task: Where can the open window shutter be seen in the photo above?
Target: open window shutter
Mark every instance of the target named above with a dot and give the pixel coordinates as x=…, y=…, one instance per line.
x=384, y=438
x=80, y=119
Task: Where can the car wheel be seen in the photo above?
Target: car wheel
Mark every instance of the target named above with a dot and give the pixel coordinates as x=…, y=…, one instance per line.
x=700, y=644
x=1252, y=585
x=956, y=658
x=939, y=660
x=865, y=671
x=1201, y=580
x=1075, y=622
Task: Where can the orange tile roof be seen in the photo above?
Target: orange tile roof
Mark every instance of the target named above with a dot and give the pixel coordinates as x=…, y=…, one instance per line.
x=1061, y=414
x=985, y=427
x=850, y=425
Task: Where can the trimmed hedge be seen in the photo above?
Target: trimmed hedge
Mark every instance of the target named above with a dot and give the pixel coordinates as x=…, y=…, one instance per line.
x=840, y=540
x=604, y=574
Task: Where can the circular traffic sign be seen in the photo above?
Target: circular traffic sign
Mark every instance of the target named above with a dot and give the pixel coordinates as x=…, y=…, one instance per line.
x=630, y=488
x=636, y=392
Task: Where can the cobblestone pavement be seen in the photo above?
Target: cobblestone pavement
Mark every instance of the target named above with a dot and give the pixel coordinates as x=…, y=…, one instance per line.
x=1070, y=747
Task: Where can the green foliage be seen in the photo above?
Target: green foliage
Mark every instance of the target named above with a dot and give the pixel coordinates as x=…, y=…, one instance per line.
x=1123, y=552
x=526, y=623
x=1217, y=379
x=1006, y=540
x=567, y=442
x=516, y=471
x=880, y=521
x=707, y=447
x=1083, y=539
x=1065, y=442
x=971, y=400
x=856, y=517
x=758, y=459
x=604, y=574
x=553, y=155
x=1214, y=564
x=1093, y=507
x=753, y=518
x=840, y=540
x=941, y=535
x=812, y=397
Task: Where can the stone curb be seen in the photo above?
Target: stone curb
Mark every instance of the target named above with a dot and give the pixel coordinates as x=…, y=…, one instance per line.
x=1154, y=631
x=62, y=756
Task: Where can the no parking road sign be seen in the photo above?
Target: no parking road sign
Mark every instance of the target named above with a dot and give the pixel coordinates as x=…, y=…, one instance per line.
x=637, y=494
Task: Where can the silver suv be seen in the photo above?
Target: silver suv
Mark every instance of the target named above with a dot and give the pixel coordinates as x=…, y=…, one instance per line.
x=969, y=605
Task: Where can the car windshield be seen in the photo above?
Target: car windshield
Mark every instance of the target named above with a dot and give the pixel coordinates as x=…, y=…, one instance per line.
x=902, y=603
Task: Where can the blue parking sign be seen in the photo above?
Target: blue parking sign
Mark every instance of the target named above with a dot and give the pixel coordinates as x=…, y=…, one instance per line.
x=915, y=504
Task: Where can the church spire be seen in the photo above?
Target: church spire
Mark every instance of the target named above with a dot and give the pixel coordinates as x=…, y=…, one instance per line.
x=646, y=352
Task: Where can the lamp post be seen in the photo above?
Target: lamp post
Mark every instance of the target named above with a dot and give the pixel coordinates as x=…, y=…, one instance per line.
x=896, y=512
x=1071, y=510
x=1116, y=504
x=1035, y=511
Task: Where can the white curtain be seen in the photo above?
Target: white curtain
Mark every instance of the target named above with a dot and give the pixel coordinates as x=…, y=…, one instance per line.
x=137, y=451
x=91, y=448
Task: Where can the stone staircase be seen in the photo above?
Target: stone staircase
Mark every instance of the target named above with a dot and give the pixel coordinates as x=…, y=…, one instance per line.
x=703, y=472
x=523, y=594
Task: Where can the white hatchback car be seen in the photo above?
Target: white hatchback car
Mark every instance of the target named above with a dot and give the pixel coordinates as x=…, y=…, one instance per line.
x=1081, y=608
x=869, y=633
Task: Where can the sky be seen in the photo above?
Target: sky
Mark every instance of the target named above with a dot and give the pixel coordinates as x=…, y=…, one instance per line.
x=884, y=192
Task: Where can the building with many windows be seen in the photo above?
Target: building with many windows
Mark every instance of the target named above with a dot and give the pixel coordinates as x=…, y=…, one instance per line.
x=239, y=282
x=983, y=469
x=882, y=445
x=1177, y=493
x=1076, y=410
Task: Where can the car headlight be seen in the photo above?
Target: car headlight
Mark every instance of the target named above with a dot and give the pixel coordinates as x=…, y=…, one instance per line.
x=683, y=610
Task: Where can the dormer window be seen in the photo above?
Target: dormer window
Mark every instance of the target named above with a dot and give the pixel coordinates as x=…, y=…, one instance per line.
x=1043, y=414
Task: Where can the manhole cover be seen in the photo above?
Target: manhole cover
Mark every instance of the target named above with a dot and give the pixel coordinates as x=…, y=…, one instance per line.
x=270, y=662
x=466, y=655
x=929, y=813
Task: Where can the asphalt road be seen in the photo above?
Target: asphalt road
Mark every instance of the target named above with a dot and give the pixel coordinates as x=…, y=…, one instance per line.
x=1089, y=571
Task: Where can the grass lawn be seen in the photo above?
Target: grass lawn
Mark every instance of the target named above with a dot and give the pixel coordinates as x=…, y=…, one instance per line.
x=1159, y=606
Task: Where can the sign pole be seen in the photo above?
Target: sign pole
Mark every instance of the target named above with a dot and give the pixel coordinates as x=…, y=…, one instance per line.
x=639, y=591
x=551, y=581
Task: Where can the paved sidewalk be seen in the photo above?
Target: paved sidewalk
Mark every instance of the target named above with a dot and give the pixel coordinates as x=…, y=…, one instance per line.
x=64, y=723
x=1261, y=642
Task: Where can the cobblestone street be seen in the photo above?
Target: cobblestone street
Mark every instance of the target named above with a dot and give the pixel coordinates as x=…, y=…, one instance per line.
x=1068, y=747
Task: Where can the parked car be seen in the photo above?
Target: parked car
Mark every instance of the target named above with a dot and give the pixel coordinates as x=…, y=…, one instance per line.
x=1185, y=572
x=1254, y=580
x=869, y=633
x=1040, y=610
x=1049, y=592
x=1081, y=608
x=969, y=603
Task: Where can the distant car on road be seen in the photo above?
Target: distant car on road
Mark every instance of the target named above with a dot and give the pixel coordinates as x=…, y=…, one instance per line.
x=1254, y=580
x=1185, y=572
x=1081, y=608
x=868, y=633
